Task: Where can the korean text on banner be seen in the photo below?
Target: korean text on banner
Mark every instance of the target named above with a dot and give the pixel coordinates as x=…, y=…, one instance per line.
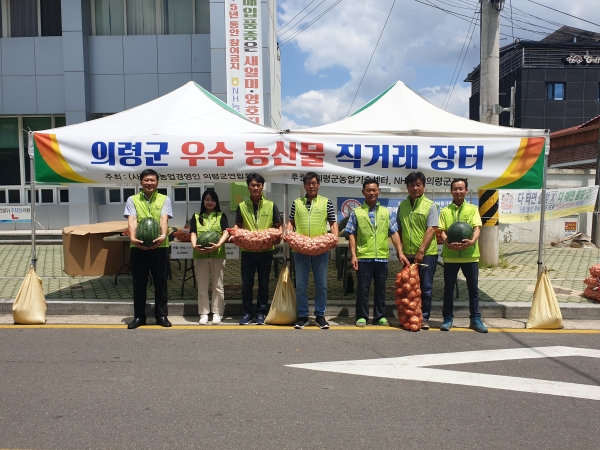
x=525, y=205
x=244, y=58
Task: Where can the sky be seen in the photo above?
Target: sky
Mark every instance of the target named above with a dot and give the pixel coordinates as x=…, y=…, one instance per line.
x=430, y=50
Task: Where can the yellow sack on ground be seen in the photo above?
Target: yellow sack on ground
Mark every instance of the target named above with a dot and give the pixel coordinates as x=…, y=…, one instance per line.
x=29, y=307
x=545, y=312
x=283, y=306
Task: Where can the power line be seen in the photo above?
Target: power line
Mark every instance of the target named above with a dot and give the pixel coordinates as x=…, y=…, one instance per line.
x=562, y=12
x=454, y=80
x=310, y=23
x=300, y=20
x=372, y=54
x=299, y=12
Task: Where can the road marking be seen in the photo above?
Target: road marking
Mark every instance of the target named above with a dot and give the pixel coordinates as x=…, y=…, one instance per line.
x=415, y=368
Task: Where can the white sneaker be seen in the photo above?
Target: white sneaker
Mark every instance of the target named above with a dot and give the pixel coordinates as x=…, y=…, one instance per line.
x=216, y=319
x=203, y=319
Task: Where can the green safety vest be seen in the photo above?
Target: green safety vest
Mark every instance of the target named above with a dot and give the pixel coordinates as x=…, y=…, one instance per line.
x=313, y=222
x=262, y=221
x=466, y=213
x=152, y=208
x=372, y=241
x=413, y=222
x=211, y=223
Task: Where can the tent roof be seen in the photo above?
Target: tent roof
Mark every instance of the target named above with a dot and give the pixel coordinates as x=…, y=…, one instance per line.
x=189, y=110
x=400, y=111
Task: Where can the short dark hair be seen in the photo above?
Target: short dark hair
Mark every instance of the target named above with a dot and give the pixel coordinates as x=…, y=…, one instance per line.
x=309, y=176
x=147, y=172
x=414, y=176
x=370, y=181
x=256, y=177
x=464, y=180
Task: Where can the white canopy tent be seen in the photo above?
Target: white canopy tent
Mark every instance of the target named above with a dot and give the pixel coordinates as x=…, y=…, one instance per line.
x=400, y=111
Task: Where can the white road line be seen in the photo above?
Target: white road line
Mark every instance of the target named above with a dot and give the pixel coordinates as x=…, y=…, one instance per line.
x=415, y=368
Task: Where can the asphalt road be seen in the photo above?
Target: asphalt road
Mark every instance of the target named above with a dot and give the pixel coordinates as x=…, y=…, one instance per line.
x=232, y=388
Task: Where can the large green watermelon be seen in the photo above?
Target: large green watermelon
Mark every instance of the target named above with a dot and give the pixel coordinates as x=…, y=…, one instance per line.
x=206, y=237
x=459, y=231
x=147, y=230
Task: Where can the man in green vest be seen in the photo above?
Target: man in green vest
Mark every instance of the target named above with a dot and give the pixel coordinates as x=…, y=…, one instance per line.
x=155, y=259
x=256, y=214
x=309, y=216
x=418, y=221
x=462, y=255
x=369, y=228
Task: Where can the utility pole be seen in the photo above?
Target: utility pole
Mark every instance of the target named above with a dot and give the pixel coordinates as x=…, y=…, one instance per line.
x=489, y=108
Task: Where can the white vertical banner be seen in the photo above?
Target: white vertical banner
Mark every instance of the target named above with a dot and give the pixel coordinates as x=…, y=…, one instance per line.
x=244, y=58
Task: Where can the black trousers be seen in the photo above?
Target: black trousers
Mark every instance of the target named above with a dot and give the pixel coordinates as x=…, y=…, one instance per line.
x=256, y=262
x=155, y=262
x=377, y=272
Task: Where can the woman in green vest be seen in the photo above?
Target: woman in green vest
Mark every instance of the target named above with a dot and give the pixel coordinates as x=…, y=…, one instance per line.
x=210, y=258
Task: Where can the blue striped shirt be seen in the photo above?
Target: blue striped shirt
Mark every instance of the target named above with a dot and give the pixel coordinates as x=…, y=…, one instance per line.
x=352, y=225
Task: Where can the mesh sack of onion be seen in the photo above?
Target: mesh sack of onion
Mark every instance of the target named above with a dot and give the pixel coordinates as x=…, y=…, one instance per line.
x=311, y=246
x=255, y=240
x=408, y=298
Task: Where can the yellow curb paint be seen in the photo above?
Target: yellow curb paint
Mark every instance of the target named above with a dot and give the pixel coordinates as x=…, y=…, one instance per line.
x=279, y=327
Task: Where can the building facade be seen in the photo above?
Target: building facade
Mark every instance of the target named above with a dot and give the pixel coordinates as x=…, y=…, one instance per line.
x=64, y=62
x=557, y=80
x=576, y=147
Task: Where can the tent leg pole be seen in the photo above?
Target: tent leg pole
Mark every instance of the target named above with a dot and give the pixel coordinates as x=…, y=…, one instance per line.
x=540, y=261
x=32, y=190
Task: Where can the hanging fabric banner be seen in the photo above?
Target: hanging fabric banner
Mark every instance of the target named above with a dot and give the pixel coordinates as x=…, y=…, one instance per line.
x=243, y=47
x=525, y=205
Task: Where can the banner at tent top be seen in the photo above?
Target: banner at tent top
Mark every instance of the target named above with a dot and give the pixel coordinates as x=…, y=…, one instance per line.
x=189, y=136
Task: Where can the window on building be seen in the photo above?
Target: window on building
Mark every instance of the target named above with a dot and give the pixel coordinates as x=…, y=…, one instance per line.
x=63, y=195
x=14, y=196
x=114, y=196
x=179, y=194
x=31, y=18
x=148, y=17
x=195, y=194
x=33, y=124
x=10, y=169
x=555, y=91
x=128, y=192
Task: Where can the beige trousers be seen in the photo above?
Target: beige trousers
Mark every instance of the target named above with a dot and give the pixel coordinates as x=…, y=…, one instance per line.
x=217, y=270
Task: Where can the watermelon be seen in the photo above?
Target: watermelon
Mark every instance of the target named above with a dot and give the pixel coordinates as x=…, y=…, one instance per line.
x=206, y=237
x=147, y=230
x=459, y=231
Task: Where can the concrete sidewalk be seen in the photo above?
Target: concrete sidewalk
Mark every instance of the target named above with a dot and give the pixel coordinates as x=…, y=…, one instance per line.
x=505, y=292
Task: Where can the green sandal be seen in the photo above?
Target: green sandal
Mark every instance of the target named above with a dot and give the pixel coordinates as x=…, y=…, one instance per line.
x=361, y=323
x=383, y=322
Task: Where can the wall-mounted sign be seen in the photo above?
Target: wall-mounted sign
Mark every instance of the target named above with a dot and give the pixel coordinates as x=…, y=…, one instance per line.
x=581, y=60
x=15, y=214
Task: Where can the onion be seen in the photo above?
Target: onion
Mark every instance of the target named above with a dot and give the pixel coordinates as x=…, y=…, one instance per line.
x=418, y=292
x=406, y=326
x=414, y=320
x=407, y=287
x=397, y=301
x=404, y=301
x=418, y=312
x=413, y=281
x=399, y=293
x=409, y=313
x=412, y=306
x=404, y=275
x=414, y=327
x=414, y=272
x=411, y=295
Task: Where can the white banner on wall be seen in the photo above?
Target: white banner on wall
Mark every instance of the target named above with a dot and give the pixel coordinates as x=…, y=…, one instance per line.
x=15, y=214
x=525, y=205
x=243, y=35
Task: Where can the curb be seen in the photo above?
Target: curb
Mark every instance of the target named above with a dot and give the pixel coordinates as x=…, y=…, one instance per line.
x=504, y=310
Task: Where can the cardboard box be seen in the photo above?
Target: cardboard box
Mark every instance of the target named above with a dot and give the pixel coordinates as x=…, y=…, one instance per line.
x=86, y=253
